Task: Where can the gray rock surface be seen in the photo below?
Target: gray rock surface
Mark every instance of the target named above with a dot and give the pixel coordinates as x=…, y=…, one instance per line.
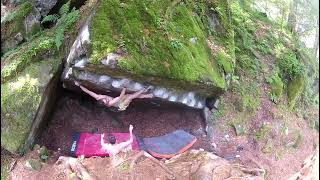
x=44, y=6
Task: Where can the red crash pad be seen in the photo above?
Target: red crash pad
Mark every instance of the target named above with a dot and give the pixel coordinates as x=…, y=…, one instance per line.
x=88, y=144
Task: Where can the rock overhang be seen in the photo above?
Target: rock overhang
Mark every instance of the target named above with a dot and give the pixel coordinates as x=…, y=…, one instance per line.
x=99, y=54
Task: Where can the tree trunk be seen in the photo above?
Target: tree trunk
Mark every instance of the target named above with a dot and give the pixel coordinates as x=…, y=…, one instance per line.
x=316, y=40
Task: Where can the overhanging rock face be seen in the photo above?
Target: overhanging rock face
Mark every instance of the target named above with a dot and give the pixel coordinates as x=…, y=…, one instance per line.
x=171, y=52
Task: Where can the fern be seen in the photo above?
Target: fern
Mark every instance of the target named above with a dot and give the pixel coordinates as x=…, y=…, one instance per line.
x=50, y=18
x=59, y=37
x=65, y=19
x=64, y=9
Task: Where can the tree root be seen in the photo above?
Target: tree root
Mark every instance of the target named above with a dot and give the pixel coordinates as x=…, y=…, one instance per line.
x=75, y=166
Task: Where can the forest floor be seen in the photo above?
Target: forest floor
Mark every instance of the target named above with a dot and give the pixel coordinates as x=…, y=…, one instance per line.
x=285, y=139
x=276, y=138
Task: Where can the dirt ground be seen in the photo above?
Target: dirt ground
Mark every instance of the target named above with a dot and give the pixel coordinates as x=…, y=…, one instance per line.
x=288, y=140
x=280, y=161
x=74, y=114
x=189, y=165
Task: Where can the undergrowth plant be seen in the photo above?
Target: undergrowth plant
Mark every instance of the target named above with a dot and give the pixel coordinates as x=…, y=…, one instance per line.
x=276, y=84
x=64, y=20
x=290, y=66
x=20, y=13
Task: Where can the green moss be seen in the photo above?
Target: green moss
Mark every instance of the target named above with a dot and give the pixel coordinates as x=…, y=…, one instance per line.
x=20, y=99
x=31, y=51
x=19, y=102
x=156, y=35
x=249, y=95
x=276, y=84
x=295, y=88
x=224, y=60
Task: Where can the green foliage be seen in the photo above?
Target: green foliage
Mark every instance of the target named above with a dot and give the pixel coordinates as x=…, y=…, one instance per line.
x=224, y=61
x=262, y=132
x=273, y=97
x=50, y=18
x=250, y=102
x=247, y=64
x=20, y=13
x=35, y=49
x=243, y=27
x=65, y=20
x=43, y=153
x=263, y=46
x=249, y=96
x=235, y=80
x=59, y=36
x=175, y=44
x=64, y=10
x=276, y=84
x=290, y=66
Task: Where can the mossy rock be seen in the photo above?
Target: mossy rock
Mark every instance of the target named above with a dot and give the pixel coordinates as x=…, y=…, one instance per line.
x=23, y=20
x=16, y=61
x=164, y=39
x=27, y=97
x=20, y=100
x=295, y=88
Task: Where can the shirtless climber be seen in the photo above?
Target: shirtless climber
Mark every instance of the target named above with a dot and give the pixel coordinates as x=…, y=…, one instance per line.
x=121, y=102
x=112, y=148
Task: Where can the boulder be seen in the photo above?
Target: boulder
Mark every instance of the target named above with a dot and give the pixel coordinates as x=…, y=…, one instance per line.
x=138, y=45
x=25, y=101
x=19, y=25
x=30, y=85
x=44, y=7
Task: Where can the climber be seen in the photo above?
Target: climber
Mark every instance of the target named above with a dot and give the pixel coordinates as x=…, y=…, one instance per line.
x=121, y=102
x=112, y=148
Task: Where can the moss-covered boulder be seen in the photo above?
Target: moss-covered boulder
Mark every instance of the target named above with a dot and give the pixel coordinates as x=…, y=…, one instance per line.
x=20, y=100
x=19, y=25
x=295, y=89
x=29, y=80
x=186, y=46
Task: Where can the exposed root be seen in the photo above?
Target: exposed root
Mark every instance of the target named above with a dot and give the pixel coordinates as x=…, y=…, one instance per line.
x=75, y=166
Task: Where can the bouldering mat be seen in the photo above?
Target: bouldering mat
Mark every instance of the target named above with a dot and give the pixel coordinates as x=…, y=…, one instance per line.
x=168, y=145
x=88, y=144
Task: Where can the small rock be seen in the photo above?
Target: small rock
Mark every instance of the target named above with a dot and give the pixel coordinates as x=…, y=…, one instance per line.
x=193, y=40
x=33, y=164
x=226, y=137
x=239, y=129
x=239, y=148
x=214, y=145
